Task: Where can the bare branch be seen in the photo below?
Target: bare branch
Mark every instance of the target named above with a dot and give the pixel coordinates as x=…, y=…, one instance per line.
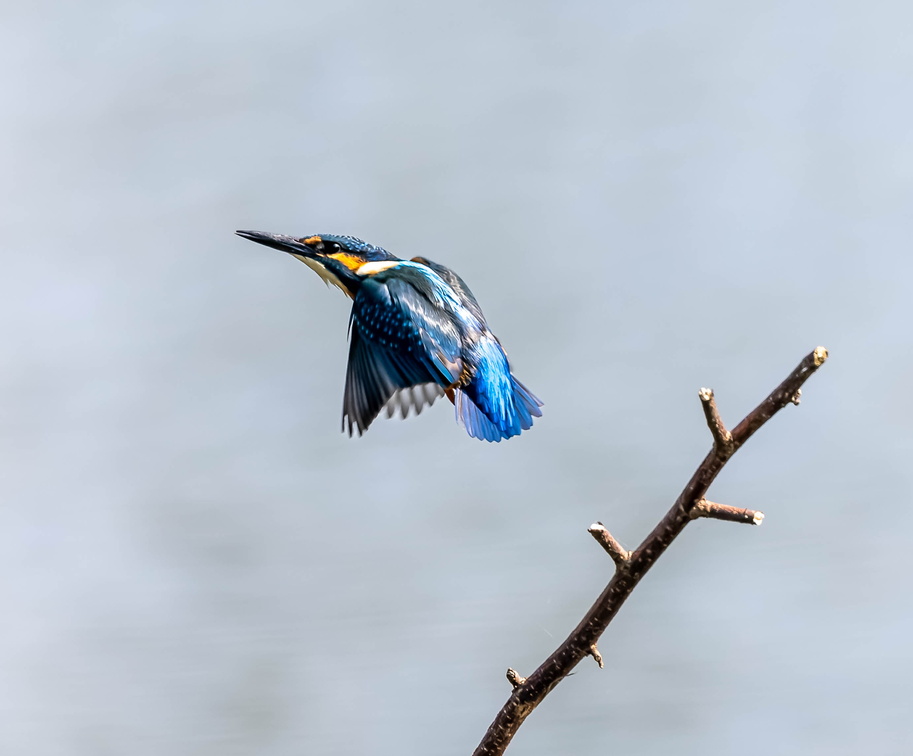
x=580, y=643
x=716, y=511
x=619, y=554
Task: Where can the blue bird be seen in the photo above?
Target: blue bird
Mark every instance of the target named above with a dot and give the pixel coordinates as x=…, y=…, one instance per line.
x=417, y=333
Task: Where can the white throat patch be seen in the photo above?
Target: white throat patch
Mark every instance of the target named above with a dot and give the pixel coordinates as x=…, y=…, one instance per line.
x=325, y=274
x=369, y=269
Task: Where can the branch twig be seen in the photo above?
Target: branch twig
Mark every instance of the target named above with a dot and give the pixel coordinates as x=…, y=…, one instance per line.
x=614, y=549
x=722, y=438
x=716, y=511
x=630, y=567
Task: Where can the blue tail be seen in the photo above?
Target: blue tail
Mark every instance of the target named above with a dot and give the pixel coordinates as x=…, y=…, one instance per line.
x=494, y=405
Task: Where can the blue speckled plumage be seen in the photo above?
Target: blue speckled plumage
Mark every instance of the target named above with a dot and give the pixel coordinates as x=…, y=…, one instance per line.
x=417, y=333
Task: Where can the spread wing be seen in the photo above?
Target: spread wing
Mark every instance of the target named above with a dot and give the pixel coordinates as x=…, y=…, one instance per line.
x=399, y=342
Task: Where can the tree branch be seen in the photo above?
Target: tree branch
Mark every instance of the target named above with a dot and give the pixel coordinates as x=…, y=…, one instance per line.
x=630, y=567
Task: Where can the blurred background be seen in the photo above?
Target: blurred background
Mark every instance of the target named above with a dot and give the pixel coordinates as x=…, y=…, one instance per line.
x=646, y=198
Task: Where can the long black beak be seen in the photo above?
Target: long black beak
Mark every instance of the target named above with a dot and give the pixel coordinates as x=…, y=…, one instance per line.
x=279, y=241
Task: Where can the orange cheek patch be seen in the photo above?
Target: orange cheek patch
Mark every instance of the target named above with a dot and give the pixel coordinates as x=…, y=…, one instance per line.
x=352, y=262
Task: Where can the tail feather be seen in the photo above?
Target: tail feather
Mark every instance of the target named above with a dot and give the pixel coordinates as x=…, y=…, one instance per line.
x=506, y=417
x=529, y=403
x=474, y=420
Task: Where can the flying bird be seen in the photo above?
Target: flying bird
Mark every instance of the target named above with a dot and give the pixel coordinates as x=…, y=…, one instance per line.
x=416, y=333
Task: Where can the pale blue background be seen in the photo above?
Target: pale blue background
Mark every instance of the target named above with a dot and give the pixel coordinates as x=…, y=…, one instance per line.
x=646, y=198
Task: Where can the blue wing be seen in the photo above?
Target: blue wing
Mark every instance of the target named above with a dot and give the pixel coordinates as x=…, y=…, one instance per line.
x=399, y=341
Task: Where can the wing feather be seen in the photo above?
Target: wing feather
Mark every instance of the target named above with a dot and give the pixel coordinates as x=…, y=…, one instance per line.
x=414, y=398
x=404, y=352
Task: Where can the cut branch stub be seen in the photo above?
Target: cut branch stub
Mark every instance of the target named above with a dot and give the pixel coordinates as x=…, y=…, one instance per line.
x=716, y=511
x=722, y=438
x=597, y=657
x=619, y=554
x=514, y=678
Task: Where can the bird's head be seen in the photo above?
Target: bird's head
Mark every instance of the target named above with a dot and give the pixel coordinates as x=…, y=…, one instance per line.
x=339, y=260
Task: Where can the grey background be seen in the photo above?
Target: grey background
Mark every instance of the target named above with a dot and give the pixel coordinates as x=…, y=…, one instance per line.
x=646, y=198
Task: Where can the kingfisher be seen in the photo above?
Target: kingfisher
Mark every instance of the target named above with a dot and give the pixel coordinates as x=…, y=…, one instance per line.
x=416, y=333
